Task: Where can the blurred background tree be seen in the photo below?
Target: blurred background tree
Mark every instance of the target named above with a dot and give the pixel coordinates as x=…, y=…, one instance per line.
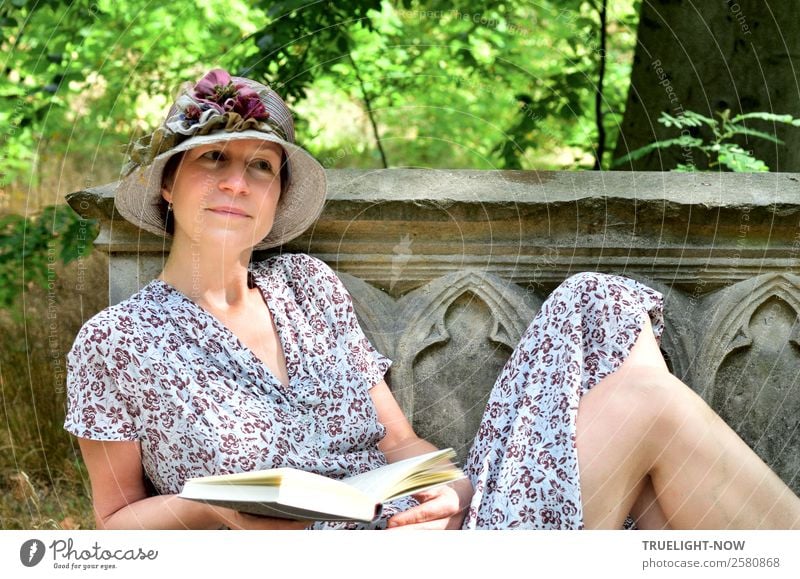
x=735, y=56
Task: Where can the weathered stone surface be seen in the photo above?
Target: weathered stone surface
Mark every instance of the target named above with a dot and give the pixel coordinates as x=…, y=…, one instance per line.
x=447, y=268
x=749, y=370
x=454, y=337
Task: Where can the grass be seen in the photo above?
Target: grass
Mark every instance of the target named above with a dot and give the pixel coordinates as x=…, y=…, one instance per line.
x=43, y=481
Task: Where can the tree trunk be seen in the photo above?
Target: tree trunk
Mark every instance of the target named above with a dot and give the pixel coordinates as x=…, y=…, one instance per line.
x=733, y=55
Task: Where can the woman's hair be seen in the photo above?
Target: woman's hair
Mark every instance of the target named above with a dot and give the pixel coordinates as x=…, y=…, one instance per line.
x=169, y=172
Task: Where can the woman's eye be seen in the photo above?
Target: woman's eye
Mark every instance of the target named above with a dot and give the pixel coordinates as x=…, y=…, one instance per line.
x=262, y=165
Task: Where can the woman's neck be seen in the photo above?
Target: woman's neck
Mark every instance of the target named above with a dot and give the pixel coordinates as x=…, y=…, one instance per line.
x=209, y=277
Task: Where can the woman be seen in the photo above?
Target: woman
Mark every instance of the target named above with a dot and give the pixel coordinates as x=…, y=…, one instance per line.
x=220, y=365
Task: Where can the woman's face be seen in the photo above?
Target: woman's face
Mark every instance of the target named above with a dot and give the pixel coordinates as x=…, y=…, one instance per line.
x=226, y=193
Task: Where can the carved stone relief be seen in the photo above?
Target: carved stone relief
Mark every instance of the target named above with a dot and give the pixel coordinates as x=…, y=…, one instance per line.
x=751, y=358
x=449, y=341
x=376, y=311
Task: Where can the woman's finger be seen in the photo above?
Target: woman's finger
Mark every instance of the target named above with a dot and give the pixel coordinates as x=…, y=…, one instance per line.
x=435, y=505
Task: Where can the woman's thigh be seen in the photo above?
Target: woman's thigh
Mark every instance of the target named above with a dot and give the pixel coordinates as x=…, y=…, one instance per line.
x=617, y=421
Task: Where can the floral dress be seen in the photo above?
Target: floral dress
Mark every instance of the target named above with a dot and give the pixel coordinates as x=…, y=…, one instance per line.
x=523, y=463
x=159, y=369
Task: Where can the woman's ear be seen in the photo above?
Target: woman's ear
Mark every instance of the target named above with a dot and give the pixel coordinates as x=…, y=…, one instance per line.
x=168, y=176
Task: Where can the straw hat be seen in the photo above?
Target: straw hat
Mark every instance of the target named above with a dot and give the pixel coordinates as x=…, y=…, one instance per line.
x=223, y=108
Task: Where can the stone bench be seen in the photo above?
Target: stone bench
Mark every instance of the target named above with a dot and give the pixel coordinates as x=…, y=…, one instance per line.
x=447, y=268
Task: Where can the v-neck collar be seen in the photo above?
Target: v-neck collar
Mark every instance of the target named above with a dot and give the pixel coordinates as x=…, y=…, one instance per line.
x=236, y=347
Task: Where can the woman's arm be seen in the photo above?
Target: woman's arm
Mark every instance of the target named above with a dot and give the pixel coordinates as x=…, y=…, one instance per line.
x=442, y=507
x=121, y=502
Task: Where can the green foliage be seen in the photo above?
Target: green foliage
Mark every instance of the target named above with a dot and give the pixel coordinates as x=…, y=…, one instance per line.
x=35, y=245
x=486, y=84
x=305, y=40
x=482, y=84
x=720, y=151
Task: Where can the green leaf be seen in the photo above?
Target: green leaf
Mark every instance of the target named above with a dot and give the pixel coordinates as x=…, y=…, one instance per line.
x=686, y=120
x=738, y=160
x=33, y=244
x=777, y=118
x=77, y=239
x=739, y=130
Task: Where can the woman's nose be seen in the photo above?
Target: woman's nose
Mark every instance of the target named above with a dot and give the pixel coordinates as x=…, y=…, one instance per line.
x=234, y=179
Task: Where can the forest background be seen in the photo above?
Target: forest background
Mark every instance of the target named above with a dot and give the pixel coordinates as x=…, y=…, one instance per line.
x=542, y=85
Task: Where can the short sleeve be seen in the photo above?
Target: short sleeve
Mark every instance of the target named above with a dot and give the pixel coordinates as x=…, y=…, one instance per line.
x=357, y=353
x=96, y=407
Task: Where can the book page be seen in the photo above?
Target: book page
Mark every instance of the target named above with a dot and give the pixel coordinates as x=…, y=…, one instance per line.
x=407, y=476
x=289, y=493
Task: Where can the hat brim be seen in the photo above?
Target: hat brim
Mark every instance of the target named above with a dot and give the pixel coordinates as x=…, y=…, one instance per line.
x=138, y=196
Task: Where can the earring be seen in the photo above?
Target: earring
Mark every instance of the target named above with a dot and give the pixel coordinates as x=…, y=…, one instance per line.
x=169, y=207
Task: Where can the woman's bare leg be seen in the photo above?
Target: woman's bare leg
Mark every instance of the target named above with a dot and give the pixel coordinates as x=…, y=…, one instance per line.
x=642, y=421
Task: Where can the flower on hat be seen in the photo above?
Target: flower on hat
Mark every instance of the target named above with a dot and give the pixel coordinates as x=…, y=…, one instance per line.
x=213, y=96
x=217, y=92
x=216, y=85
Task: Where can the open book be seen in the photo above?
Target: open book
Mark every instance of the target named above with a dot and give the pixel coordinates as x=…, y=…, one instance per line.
x=289, y=493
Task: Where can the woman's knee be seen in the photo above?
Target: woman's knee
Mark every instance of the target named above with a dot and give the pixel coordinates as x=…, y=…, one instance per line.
x=653, y=398
x=647, y=385
x=586, y=282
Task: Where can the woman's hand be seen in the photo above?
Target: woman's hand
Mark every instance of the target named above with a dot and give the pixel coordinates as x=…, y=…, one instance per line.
x=442, y=507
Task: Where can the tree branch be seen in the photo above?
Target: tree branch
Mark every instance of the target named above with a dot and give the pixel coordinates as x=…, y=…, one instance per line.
x=598, y=98
x=368, y=102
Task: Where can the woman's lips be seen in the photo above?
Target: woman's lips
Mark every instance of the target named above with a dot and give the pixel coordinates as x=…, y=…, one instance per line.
x=227, y=212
